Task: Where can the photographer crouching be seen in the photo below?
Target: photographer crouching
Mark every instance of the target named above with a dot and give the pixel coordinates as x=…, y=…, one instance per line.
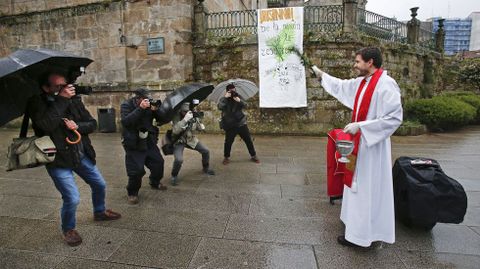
x=139, y=139
x=185, y=124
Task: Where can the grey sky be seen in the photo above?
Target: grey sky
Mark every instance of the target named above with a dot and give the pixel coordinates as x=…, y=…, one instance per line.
x=428, y=8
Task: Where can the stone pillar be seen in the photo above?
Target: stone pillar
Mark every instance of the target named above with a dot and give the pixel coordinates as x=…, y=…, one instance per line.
x=200, y=23
x=440, y=37
x=350, y=16
x=413, y=32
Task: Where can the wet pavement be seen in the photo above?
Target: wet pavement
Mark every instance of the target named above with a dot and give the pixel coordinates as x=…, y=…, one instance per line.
x=270, y=215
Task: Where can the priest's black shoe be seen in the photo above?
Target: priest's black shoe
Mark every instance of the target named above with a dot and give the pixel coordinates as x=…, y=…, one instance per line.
x=342, y=241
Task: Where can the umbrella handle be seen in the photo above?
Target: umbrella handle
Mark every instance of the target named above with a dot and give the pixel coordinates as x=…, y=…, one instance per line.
x=76, y=141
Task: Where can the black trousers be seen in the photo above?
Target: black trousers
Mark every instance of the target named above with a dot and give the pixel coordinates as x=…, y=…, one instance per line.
x=230, y=135
x=135, y=161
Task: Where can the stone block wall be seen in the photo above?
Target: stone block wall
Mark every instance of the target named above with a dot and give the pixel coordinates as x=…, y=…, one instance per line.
x=112, y=33
x=417, y=73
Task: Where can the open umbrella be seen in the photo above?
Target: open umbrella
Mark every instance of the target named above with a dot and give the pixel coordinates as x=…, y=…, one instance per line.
x=183, y=94
x=20, y=72
x=245, y=88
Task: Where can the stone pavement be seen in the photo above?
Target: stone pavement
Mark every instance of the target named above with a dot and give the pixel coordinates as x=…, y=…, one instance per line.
x=270, y=215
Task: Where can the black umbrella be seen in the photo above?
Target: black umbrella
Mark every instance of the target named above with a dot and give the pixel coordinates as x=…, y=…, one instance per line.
x=20, y=73
x=186, y=93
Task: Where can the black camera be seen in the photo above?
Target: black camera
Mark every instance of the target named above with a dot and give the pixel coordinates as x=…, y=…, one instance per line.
x=154, y=102
x=198, y=114
x=234, y=94
x=82, y=89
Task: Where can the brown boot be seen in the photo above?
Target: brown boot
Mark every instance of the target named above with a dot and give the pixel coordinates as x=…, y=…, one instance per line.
x=255, y=159
x=72, y=238
x=226, y=161
x=106, y=215
x=132, y=199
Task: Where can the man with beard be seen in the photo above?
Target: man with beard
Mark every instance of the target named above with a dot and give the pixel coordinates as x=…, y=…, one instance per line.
x=374, y=97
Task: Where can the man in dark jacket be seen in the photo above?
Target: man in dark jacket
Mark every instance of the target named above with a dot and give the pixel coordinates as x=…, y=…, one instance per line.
x=139, y=139
x=234, y=122
x=56, y=116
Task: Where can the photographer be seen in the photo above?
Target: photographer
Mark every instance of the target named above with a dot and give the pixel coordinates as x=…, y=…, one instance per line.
x=56, y=112
x=139, y=139
x=185, y=124
x=234, y=122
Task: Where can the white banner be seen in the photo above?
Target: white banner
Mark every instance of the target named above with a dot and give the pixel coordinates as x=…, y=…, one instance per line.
x=281, y=73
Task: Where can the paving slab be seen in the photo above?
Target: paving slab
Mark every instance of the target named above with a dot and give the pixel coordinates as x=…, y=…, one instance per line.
x=12, y=258
x=157, y=250
x=221, y=253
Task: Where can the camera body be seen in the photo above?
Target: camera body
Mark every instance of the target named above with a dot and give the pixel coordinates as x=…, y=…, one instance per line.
x=198, y=114
x=155, y=102
x=234, y=94
x=86, y=90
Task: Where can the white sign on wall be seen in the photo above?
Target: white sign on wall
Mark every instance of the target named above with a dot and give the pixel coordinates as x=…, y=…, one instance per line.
x=281, y=73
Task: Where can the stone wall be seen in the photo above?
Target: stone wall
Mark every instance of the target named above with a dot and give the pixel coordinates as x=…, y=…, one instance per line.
x=416, y=71
x=114, y=34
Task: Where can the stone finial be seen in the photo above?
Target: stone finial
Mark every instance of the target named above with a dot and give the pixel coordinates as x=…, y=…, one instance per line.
x=414, y=12
x=440, y=23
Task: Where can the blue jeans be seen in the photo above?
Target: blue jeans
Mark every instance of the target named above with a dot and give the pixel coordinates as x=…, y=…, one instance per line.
x=65, y=184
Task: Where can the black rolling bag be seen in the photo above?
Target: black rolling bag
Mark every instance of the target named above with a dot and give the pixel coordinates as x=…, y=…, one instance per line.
x=425, y=195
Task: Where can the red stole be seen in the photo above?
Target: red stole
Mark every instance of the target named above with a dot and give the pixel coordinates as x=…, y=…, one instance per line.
x=339, y=174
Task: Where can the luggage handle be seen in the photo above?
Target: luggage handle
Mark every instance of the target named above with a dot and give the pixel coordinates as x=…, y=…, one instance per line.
x=424, y=163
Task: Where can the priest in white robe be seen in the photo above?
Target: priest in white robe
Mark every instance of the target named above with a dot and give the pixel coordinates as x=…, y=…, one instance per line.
x=368, y=210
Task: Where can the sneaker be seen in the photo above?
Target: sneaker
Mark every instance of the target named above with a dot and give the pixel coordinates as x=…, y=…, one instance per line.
x=132, y=199
x=173, y=181
x=72, y=238
x=158, y=187
x=226, y=161
x=208, y=171
x=255, y=159
x=107, y=215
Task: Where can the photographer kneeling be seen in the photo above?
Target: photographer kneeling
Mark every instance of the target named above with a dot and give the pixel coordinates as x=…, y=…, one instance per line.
x=234, y=122
x=139, y=139
x=185, y=124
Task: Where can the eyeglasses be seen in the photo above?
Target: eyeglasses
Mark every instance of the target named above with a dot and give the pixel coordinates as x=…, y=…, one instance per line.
x=58, y=87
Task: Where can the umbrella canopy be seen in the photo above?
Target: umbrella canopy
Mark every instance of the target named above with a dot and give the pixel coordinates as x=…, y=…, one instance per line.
x=183, y=94
x=20, y=73
x=245, y=88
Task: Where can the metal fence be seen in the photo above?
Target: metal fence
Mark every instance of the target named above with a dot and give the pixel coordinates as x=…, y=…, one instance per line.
x=320, y=19
x=232, y=23
x=426, y=39
x=316, y=19
x=381, y=27
x=323, y=18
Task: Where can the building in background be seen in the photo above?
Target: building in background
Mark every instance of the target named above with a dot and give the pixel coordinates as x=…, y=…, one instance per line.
x=457, y=34
x=475, y=33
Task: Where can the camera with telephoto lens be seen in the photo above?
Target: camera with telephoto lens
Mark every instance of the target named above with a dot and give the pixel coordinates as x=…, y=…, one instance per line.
x=154, y=102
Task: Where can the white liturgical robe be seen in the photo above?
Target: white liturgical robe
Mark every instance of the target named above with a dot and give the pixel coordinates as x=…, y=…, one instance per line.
x=369, y=214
